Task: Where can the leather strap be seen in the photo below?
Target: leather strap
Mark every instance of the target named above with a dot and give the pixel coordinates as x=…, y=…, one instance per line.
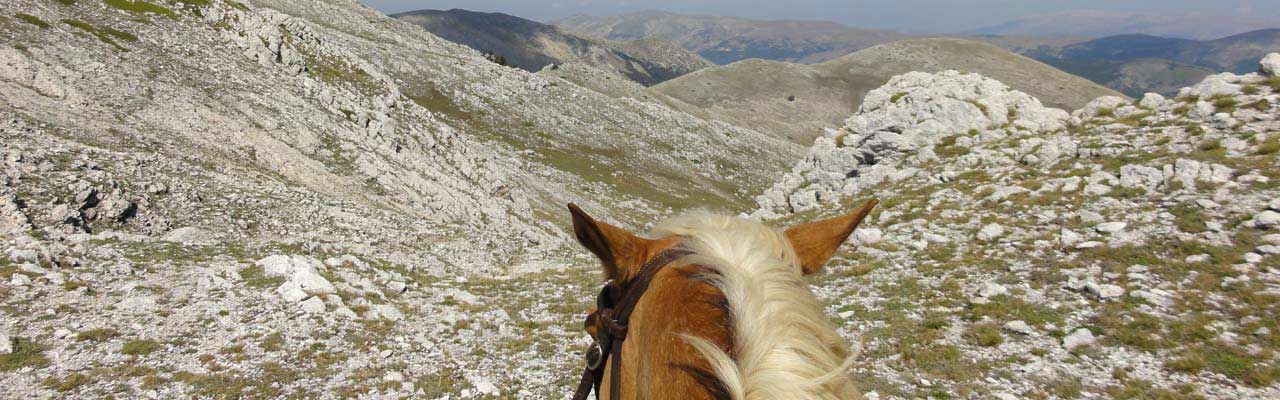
x=614, y=306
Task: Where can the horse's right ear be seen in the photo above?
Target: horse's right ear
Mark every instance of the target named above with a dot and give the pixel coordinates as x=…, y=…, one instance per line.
x=816, y=242
x=616, y=248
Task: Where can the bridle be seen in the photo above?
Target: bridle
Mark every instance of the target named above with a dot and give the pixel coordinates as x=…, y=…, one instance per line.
x=613, y=311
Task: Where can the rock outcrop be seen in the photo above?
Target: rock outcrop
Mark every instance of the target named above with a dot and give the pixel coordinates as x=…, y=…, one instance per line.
x=907, y=119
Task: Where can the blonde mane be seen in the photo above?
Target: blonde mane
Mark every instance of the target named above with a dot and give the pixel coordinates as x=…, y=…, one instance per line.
x=784, y=346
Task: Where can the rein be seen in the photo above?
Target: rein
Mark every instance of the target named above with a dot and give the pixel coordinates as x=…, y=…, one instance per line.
x=614, y=305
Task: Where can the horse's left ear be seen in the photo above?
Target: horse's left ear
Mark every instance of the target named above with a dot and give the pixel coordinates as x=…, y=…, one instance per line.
x=617, y=249
x=816, y=242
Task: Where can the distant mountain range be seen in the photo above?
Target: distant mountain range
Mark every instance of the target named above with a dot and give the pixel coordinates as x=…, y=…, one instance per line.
x=653, y=47
x=798, y=100
x=1136, y=64
x=1089, y=23
x=725, y=40
x=531, y=45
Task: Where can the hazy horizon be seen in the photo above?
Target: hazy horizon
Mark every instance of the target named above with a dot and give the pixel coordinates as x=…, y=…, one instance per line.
x=917, y=16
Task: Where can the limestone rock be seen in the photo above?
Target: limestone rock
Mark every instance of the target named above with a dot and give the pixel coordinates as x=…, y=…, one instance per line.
x=1270, y=65
x=191, y=236
x=1104, y=291
x=1265, y=220
x=303, y=274
x=1019, y=327
x=990, y=232
x=1152, y=101
x=907, y=117
x=313, y=305
x=1213, y=85
x=1092, y=109
x=1111, y=227
x=992, y=289
x=1080, y=338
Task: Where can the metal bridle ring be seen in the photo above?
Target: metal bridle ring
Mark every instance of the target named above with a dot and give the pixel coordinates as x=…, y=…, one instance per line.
x=595, y=357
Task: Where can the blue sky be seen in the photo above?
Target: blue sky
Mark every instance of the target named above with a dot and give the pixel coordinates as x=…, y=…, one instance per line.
x=906, y=15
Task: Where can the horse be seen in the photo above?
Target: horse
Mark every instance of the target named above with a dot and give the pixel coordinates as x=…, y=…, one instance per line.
x=714, y=307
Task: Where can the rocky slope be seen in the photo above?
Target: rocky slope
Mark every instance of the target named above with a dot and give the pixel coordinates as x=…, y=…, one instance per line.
x=1136, y=64
x=284, y=198
x=1128, y=249
x=798, y=101
x=725, y=40
x=530, y=45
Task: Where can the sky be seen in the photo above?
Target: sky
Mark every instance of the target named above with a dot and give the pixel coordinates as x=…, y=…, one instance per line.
x=915, y=16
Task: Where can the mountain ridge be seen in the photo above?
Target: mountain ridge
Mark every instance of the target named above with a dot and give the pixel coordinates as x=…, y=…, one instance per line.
x=799, y=101
x=531, y=45
x=1095, y=23
x=1123, y=61
x=724, y=40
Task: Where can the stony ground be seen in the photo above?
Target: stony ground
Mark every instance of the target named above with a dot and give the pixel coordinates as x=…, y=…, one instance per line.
x=263, y=230
x=1130, y=254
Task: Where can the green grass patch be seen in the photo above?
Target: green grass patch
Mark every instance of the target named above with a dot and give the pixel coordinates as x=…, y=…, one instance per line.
x=1210, y=145
x=1225, y=104
x=1273, y=83
x=273, y=342
x=33, y=20
x=104, y=34
x=140, y=347
x=256, y=277
x=97, y=335
x=947, y=148
x=897, y=97
x=142, y=7
x=1138, y=389
x=26, y=353
x=1260, y=106
x=67, y=383
x=1013, y=309
x=1232, y=361
x=1189, y=218
x=1271, y=146
x=985, y=335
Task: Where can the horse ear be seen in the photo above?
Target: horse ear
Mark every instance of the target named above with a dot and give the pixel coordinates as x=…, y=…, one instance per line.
x=614, y=246
x=816, y=242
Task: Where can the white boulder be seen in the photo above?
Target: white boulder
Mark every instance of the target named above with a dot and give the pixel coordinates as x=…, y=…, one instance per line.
x=1111, y=227
x=990, y=232
x=1019, y=327
x=1080, y=338
x=1152, y=101
x=1271, y=65
x=1265, y=220
x=1212, y=86
x=313, y=305
x=302, y=274
x=1099, y=105
x=1104, y=291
